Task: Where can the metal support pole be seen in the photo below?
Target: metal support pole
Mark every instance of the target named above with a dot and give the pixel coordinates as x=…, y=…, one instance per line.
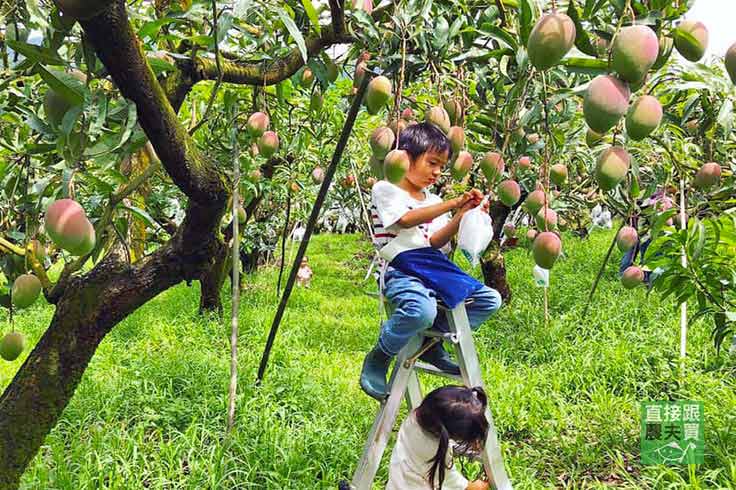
x=336, y=156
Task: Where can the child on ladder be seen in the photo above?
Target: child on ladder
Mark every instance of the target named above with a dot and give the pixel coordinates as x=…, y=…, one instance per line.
x=422, y=456
x=412, y=230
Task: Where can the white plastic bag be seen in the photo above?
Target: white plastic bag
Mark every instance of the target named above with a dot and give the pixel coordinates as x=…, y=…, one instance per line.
x=298, y=234
x=601, y=217
x=595, y=212
x=476, y=232
x=541, y=276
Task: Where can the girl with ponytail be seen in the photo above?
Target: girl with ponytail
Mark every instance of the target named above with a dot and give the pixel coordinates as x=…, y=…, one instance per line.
x=422, y=456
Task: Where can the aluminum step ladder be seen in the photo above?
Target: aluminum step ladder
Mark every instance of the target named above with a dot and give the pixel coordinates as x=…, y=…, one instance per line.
x=404, y=384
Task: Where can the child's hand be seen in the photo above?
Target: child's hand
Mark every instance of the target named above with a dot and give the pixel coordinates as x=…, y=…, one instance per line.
x=469, y=200
x=478, y=485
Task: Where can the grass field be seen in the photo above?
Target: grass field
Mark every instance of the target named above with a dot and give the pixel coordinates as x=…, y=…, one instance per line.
x=150, y=411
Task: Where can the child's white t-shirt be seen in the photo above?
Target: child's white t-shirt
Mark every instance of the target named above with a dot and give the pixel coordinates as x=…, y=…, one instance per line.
x=388, y=204
x=409, y=460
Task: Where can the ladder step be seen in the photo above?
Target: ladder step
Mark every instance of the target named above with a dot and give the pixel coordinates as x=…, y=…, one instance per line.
x=442, y=306
x=448, y=336
x=428, y=368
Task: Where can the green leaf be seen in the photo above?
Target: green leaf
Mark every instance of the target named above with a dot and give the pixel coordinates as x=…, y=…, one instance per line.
x=456, y=26
x=99, y=184
x=592, y=7
x=70, y=119
x=660, y=221
x=203, y=40
x=159, y=66
x=35, y=53
x=71, y=89
x=525, y=20
x=582, y=41
x=720, y=330
x=588, y=66
x=635, y=190
x=312, y=14
x=500, y=35
x=680, y=36
x=40, y=148
x=725, y=116
x=142, y=215
x=150, y=29
x=224, y=23
x=619, y=5
x=295, y=33
x=699, y=228
x=441, y=33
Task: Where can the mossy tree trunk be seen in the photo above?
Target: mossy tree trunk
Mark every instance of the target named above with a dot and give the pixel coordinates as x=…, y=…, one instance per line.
x=494, y=265
x=88, y=306
x=213, y=279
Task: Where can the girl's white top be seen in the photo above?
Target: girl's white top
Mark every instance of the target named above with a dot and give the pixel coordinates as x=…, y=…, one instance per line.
x=410, y=460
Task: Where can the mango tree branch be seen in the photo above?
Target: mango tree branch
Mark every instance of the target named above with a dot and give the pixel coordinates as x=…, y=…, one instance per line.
x=139, y=180
x=30, y=256
x=337, y=13
x=192, y=71
x=12, y=247
x=218, y=67
x=265, y=72
x=121, y=52
x=93, y=303
x=38, y=269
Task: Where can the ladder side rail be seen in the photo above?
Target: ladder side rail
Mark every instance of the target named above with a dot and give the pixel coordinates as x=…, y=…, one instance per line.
x=470, y=370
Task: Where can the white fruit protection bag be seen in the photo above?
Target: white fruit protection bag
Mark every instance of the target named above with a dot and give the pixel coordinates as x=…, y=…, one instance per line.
x=476, y=232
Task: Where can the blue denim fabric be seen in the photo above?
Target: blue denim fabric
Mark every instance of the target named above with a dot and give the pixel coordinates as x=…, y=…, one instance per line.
x=415, y=310
x=629, y=257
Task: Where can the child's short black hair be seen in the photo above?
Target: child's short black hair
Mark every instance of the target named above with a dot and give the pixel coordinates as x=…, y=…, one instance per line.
x=420, y=138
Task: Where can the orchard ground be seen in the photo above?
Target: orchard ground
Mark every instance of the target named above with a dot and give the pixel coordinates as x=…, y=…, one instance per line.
x=150, y=410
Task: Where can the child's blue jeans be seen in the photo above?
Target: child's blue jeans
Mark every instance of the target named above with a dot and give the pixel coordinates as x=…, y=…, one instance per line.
x=415, y=310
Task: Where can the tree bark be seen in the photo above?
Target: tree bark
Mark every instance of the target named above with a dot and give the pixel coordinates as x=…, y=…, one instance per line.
x=494, y=265
x=213, y=279
x=211, y=282
x=494, y=272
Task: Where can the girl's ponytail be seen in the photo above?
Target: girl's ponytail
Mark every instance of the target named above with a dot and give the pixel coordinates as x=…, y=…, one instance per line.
x=438, y=462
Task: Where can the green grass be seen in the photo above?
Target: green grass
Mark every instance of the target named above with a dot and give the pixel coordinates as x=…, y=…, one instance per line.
x=150, y=410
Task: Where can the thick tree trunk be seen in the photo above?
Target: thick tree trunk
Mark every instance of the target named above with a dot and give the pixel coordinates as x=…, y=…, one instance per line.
x=494, y=273
x=90, y=305
x=133, y=167
x=211, y=282
x=89, y=308
x=213, y=279
x=494, y=266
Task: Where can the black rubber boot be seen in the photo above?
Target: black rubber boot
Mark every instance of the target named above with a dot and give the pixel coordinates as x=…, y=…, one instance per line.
x=440, y=358
x=373, y=375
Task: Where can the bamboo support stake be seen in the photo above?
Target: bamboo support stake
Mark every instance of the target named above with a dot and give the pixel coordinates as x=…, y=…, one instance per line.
x=235, y=292
x=364, y=209
x=683, y=305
